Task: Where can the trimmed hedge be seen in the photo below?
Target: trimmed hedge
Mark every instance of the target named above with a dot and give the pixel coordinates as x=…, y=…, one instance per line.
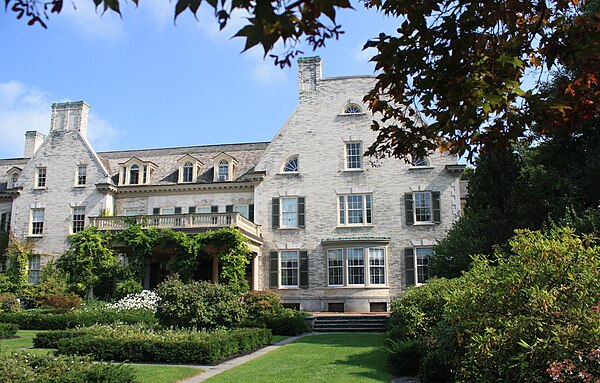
x=8, y=330
x=50, y=339
x=167, y=346
x=35, y=320
x=28, y=368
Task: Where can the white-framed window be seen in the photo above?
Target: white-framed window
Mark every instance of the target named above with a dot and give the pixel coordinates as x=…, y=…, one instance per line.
x=289, y=211
x=13, y=180
x=188, y=172
x=223, y=170
x=422, y=256
x=167, y=210
x=37, y=221
x=353, y=155
x=131, y=212
x=352, y=109
x=244, y=210
x=203, y=209
x=423, y=207
x=81, y=177
x=78, y=219
x=40, y=178
x=291, y=165
x=288, y=268
x=134, y=174
x=335, y=267
x=33, y=269
x=418, y=161
x=356, y=266
x=355, y=209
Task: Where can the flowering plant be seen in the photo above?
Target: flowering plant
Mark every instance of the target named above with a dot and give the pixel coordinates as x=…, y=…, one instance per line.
x=145, y=300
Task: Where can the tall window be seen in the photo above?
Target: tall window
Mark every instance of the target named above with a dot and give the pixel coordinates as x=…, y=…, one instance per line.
x=291, y=166
x=134, y=174
x=289, y=212
x=377, y=266
x=422, y=255
x=422, y=207
x=244, y=210
x=40, y=181
x=3, y=264
x=78, y=223
x=81, y=175
x=355, y=209
x=289, y=268
x=37, y=221
x=356, y=266
x=335, y=267
x=223, y=170
x=353, y=155
x=5, y=222
x=33, y=269
x=188, y=172
x=14, y=179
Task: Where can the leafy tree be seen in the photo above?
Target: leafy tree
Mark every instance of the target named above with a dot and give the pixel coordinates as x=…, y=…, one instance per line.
x=460, y=65
x=18, y=254
x=88, y=261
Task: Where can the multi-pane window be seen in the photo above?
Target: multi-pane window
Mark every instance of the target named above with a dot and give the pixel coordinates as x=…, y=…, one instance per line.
x=377, y=266
x=355, y=209
x=4, y=222
x=356, y=266
x=352, y=108
x=14, y=179
x=291, y=166
x=40, y=179
x=223, y=170
x=167, y=210
x=131, y=212
x=419, y=161
x=288, y=266
x=134, y=174
x=289, y=212
x=203, y=209
x=244, y=210
x=422, y=207
x=81, y=175
x=78, y=223
x=37, y=221
x=33, y=269
x=3, y=264
x=422, y=255
x=335, y=267
x=353, y=155
x=188, y=172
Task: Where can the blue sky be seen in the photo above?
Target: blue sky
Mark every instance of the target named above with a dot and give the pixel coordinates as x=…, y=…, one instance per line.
x=153, y=84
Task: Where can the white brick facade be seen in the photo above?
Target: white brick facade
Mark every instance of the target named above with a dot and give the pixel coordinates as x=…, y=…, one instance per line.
x=317, y=133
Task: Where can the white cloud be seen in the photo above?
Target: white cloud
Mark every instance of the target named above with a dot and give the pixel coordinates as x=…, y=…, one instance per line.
x=24, y=108
x=84, y=16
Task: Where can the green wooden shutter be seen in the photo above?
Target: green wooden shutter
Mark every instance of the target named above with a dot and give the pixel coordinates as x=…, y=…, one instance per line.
x=435, y=202
x=409, y=266
x=192, y=209
x=229, y=208
x=301, y=212
x=275, y=204
x=214, y=209
x=178, y=210
x=408, y=208
x=251, y=212
x=156, y=211
x=273, y=270
x=304, y=270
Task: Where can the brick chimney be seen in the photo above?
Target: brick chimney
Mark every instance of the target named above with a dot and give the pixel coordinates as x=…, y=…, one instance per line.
x=309, y=73
x=70, y=116
x=33, y=140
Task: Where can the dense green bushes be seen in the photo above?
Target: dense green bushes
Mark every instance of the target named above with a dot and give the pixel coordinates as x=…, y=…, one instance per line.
x=27, y=368
x=135, y=344
x=44, y=320
x=266, y=310
x=509, y=322
x=8, y=330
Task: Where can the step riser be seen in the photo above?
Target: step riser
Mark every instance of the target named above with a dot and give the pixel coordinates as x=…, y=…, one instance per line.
x=363, y=323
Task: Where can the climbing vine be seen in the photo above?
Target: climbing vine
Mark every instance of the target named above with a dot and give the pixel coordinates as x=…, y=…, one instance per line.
x=18, y=254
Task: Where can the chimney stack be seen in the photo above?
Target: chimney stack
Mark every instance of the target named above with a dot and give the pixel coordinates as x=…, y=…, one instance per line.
x=309, y=73
x=70, y=116
x=33, y=140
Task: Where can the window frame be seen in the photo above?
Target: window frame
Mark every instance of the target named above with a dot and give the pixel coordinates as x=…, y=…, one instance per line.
x=291, y=269
x=425, y=266
x=352, y=108
x=163, y=208
x=367, y=267
x=341, y=267
x=187, y=169
x=294, y=158
x=428, y=208
x=127, y=210
x=81, y=176
x=223, y=165
x=41, y=180
x=281, y=212
x=34, y=265
x=77, y=219
x=37, y=231
x=245, y=213
x=351, y=158
x=344, y=210
x=133, y=171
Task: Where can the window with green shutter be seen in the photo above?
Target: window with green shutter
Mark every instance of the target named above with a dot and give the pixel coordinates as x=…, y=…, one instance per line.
x=409, y=266
x=273, y=270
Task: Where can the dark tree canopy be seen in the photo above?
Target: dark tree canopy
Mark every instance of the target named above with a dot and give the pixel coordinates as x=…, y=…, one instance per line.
x=451, y=78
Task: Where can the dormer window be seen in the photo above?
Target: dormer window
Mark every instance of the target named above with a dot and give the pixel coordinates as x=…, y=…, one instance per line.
x=136, y=172
x=291, y=165
x=13, y=177
x=189, y=169
x=224, y=166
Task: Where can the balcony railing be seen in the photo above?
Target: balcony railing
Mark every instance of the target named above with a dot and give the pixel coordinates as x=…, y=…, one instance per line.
x=179, y=221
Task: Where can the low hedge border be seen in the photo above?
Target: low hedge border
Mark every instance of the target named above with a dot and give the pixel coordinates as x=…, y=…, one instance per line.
x=48, y=321
x=209, y=348
x=8, y=330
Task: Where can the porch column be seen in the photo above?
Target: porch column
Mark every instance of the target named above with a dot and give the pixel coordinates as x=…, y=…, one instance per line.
x=215, y=269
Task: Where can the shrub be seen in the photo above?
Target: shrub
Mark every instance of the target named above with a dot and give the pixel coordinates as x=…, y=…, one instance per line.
x=199, y=305
x=28, y=368
x=145, y=300
x=167, y=346
x=262, y=304
x=6, y=284
x=405, y=355
x=36, y=320
x=8, y=330
x=266, y=310
x=287, y=322
x=9, y=302
x=62, y=302
x=128, y=287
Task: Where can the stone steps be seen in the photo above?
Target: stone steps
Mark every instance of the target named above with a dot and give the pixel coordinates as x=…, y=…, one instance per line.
x=349, y=323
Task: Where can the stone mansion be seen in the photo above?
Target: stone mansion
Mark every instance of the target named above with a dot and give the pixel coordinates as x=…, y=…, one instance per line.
x=329, y=229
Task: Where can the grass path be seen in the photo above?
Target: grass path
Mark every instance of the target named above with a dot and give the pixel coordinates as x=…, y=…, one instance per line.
x=329, y=358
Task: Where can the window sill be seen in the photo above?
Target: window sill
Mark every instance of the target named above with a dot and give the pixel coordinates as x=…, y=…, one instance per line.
x=360, y=170
x=354, y=226
x=289, y=228
x=353, y=114
x=39, y=189
x=289, y=288
x=79, y=186
x=420, y=167
x=423, y=224
x=35, y=236
x=288, y=173
x=359, y=287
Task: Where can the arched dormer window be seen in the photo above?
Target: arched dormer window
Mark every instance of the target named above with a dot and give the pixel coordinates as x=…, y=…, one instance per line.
x=224, y=167
x=13, y=177
x=352, y=109
x=134, y=174
x=291, y=165
x=223, y=170
x=188, y=172
x=189, y=169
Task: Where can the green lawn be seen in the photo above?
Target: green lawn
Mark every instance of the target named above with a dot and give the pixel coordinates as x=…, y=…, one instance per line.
x=279, y=338
x=24, y=341
x=330, y=358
